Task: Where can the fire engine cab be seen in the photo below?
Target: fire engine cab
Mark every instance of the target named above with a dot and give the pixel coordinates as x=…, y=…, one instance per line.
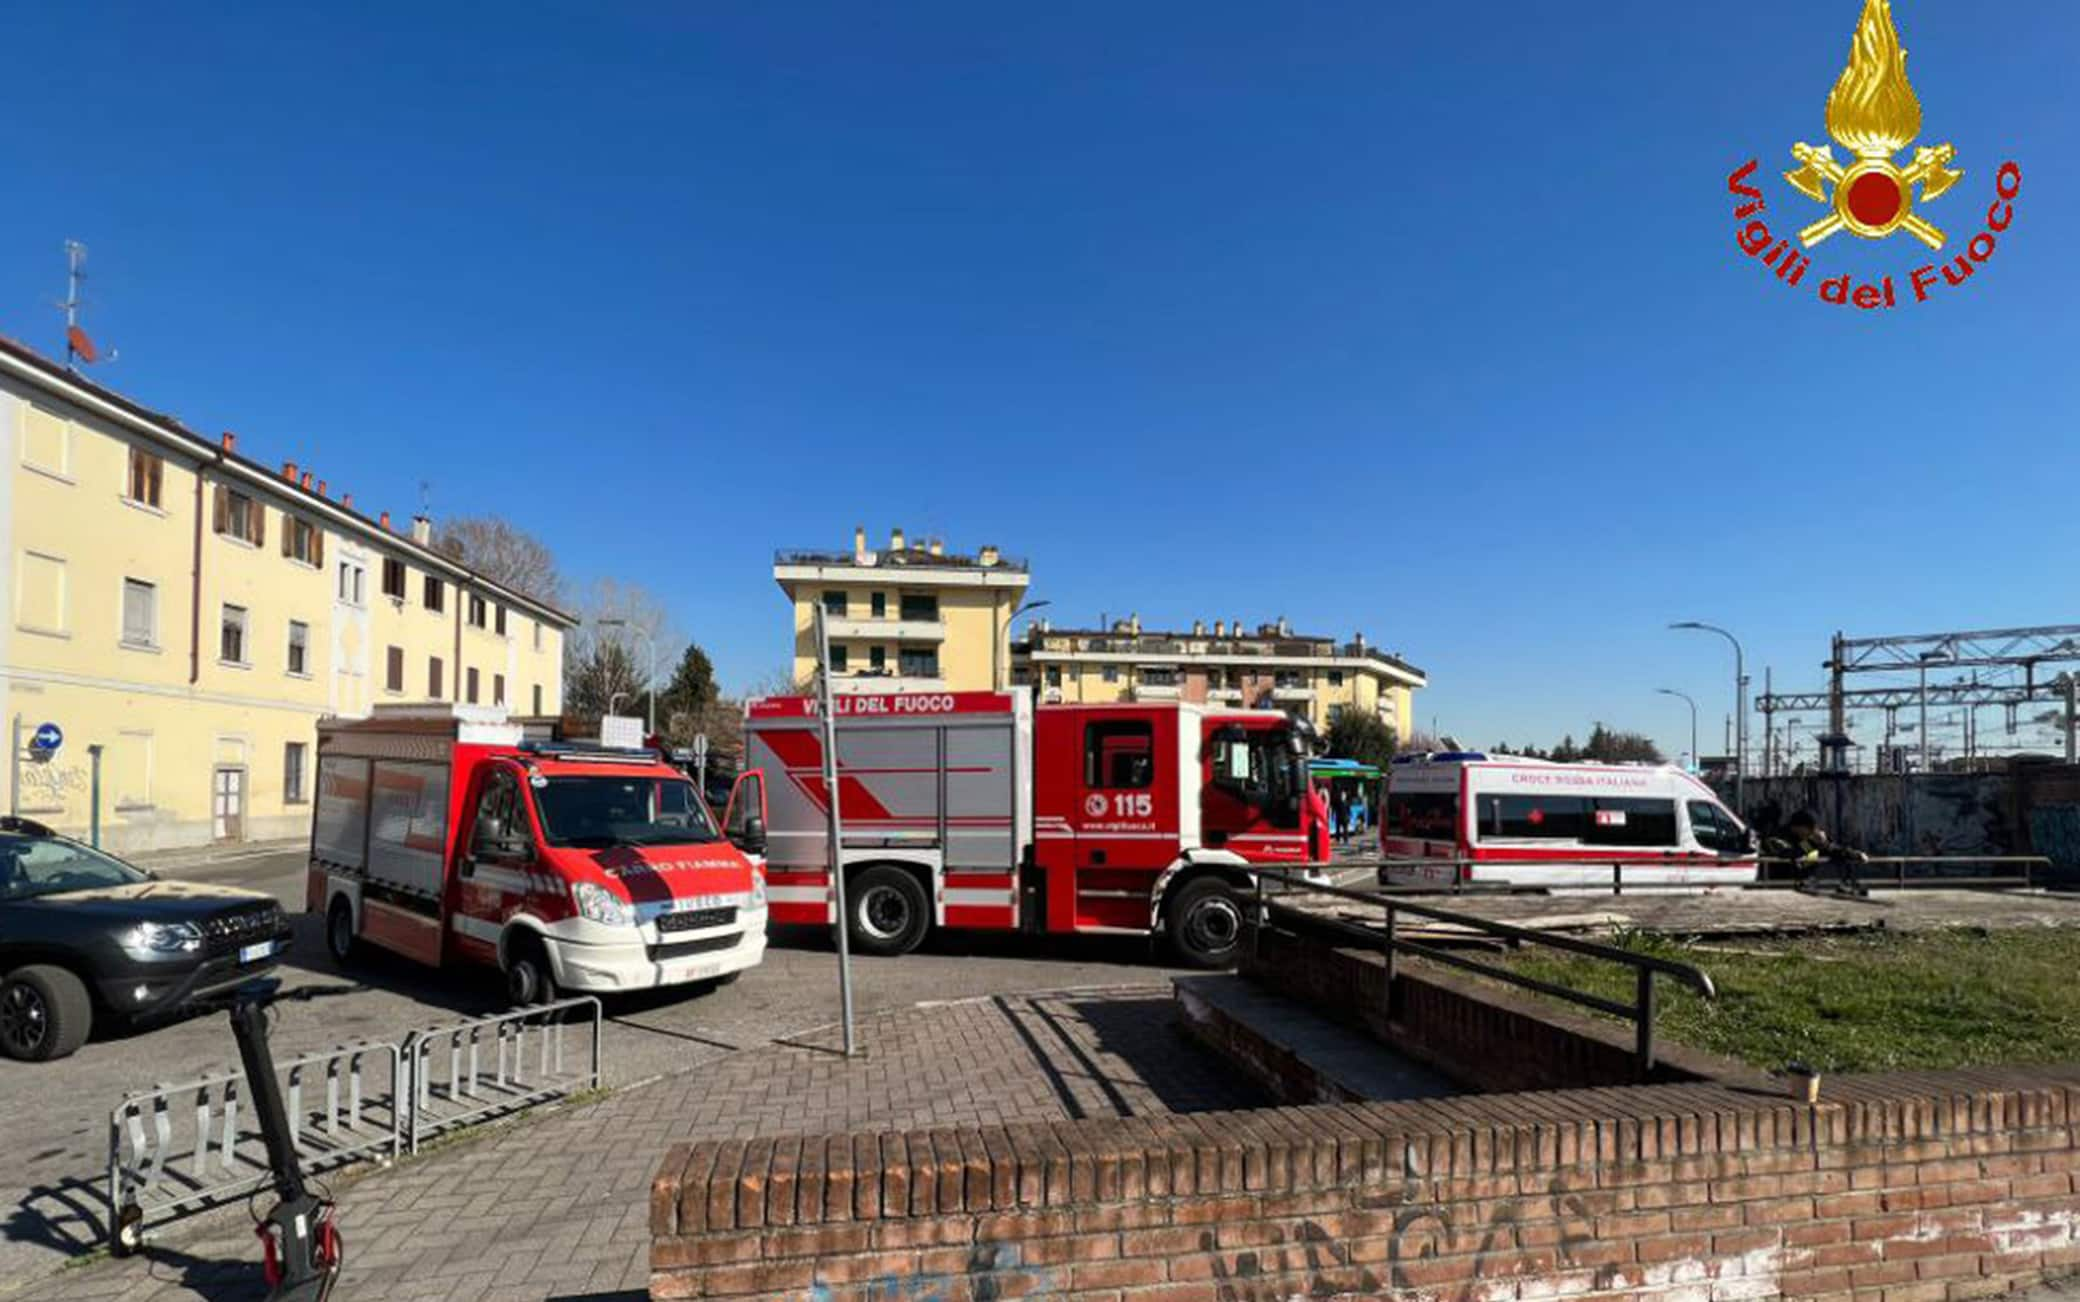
x=445, y=834
x=979, y=810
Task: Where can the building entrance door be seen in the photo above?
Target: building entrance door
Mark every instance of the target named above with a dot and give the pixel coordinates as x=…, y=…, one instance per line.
x=228, y=805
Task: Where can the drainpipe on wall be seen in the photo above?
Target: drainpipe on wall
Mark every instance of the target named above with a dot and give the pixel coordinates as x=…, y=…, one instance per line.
x=195, y=588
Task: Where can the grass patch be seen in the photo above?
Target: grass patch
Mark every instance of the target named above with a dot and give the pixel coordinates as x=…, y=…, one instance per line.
x=1874, y=1002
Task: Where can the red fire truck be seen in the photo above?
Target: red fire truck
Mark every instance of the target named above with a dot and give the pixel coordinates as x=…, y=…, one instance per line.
x=445, y=834
x=979, y=810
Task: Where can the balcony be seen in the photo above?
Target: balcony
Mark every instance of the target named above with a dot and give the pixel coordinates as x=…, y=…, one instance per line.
x=887, y=630
x=873, y=684
x=1224, y=695
x=1156, y=691
x=1294, y=695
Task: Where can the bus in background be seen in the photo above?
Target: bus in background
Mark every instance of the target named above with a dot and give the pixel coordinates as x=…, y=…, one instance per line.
x=1505, y=819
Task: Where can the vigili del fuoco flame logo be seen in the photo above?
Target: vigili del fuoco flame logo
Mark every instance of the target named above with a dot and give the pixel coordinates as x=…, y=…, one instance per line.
x=1874, y=114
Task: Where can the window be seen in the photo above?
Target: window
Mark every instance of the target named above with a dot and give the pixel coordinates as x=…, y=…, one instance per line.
x=1111, y=673
x=393, y=670
x=436, y=593
x=41, y=594
x=476, y=611
x=353, y=582
x=498, y=620
x=1335, y=714
x=1119, y=753
x=433, y=677
x=538, y=699
x=537, y=635
x=1715, y=829
x=918, y=664
x=393, y=577
x=1288, y=678
x=1424, y=815
x=231, y=638
x=47, y=442
x=502, y=828
x=1540, y=818
x=498, y=689
x=300, y=540
x=140, y=613
x=838, y=660
x=292, y=773
x=879, y=604
x=834, y=604
x=240, y=517
x=920, y=606
x=147, y=475
x=877, y=659
x=1054, y=675
x=1617, y=821
x=1336, y=678
x=469, y=679
x=299, y=647
x=1160, y=676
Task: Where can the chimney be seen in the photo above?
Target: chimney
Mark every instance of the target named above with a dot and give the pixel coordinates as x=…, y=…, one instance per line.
x=306, y=480
x=895, y=540
x=228, y=441
x=1358, y=641
x=988, y=556
x=384, y=519
x=859, y=543
x=347, y=500
x=321, y=488
x=422, y=530
x=1198, y=628
x=1284, y=629
x=289, y=471
x=937, y=546
x=1220, y=628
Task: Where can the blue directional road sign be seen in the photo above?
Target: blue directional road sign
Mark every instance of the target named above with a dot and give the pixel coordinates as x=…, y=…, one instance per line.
x=47, y=739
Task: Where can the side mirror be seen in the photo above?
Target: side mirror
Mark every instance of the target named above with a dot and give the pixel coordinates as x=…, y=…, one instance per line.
x=750, y=836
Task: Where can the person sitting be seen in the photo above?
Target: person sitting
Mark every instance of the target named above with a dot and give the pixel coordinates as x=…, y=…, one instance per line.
x=1807, y=846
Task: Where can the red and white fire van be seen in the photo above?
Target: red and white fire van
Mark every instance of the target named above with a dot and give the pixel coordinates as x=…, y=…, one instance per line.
x=978, y=810
x=1527, y=822
x=442, y=833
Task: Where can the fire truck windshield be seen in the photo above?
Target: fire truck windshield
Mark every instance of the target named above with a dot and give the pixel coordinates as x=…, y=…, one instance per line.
x=598, y=812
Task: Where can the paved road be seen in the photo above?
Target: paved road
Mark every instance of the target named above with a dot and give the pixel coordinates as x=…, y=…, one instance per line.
x=52, y=1165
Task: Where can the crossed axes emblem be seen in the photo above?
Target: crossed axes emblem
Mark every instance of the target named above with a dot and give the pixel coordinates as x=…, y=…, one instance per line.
x=1865, y=181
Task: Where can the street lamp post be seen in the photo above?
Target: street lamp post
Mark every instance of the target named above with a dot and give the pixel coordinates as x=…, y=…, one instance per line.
x=1003, y=677
x=1740, y=710
x=1686, y=697
x=649, y=644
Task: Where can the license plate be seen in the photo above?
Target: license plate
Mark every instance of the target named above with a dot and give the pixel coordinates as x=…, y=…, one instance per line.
x=692, y=972
x=254, y=953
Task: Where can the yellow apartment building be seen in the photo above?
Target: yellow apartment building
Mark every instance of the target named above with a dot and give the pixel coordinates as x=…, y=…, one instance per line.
x=911, y=618
x=1272, y=667
x=193, y=614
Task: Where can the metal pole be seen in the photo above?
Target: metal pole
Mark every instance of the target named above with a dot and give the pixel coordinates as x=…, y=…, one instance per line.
x=2072, y=718
x=14, y=768
x=94, y=796
x=1924, y=716
x=651, y=642
x=1645, y=1012
x=834, y=844
x=1392, y=965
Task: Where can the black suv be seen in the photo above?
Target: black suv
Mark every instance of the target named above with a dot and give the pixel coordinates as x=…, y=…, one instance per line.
x=84, y=934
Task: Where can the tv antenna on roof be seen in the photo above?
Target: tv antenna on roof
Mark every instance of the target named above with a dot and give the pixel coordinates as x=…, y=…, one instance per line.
x=78, y=347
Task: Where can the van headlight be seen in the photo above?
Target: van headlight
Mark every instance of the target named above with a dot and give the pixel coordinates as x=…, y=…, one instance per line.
x=598, y=904
x=162, y=939
x=758, y=891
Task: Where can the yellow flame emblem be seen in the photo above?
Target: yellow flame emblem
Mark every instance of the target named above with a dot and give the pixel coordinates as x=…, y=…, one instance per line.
x=1874, y=113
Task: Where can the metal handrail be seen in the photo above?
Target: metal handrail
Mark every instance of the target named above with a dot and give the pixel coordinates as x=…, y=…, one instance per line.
x=2034, y=867
x=1640, y=1012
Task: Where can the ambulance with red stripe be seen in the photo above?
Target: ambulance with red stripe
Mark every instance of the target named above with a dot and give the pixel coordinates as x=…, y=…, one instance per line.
x=446, y=834
x=1504, y=819
x=981, y=811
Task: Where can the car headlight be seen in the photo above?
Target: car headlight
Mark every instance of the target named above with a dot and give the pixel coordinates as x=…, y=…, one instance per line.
x=162, y=939
x=758, y=891
x=598, y=904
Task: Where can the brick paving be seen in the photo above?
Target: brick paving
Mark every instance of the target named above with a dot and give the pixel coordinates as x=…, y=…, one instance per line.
x=556, y=1208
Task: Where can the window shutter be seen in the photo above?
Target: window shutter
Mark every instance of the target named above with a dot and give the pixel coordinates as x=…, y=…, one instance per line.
x=258, y=515
x=288, y=532
x=223, y=508
x=318, y=547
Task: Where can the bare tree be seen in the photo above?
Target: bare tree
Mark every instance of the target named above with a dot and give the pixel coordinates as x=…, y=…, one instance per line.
x=599, y=662
x=505, y=554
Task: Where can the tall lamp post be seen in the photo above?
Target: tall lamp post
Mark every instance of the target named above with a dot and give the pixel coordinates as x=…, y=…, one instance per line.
x=651, y=645
x=1005, y=677
x=1740, y=710
x=1670, y=691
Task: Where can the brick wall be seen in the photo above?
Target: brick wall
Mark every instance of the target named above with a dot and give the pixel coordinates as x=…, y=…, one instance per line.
x=1485, y=1037
x=1905, y=1188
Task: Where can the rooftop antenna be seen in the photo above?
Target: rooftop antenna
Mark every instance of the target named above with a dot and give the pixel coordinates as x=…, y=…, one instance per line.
x=78, y=347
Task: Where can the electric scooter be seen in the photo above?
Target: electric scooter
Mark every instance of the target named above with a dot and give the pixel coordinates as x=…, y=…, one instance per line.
x=299, y=1236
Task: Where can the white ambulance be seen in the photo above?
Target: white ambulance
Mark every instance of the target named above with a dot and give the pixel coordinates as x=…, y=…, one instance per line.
x=1472, y=817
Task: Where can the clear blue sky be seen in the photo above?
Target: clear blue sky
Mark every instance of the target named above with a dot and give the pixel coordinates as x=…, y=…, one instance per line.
x=1420, y=319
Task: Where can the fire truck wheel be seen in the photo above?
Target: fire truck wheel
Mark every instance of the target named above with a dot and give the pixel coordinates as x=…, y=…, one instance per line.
x=1204, y=921
x=889, y=910
x=528, y=978
x=339, y=932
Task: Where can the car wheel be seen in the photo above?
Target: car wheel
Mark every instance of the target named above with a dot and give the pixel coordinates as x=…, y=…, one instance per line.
x=339, y=932
x=889, y=913
x=1204, y=922
x=529, y=979
x=44, y=1014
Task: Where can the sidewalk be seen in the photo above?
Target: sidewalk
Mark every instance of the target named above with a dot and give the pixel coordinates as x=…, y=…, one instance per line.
x=186, y=858
x=558, y=1208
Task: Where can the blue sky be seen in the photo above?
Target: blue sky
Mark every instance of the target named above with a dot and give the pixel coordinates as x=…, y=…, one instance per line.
x=1425, y=320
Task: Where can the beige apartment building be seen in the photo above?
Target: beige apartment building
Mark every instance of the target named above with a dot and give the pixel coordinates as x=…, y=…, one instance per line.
x=192, y=613
x=910, y=618
x=1271, y=667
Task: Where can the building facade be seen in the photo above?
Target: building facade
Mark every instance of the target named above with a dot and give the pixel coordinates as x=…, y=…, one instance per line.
x=907, y=619
x=1271, y=668
x=193, y=613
